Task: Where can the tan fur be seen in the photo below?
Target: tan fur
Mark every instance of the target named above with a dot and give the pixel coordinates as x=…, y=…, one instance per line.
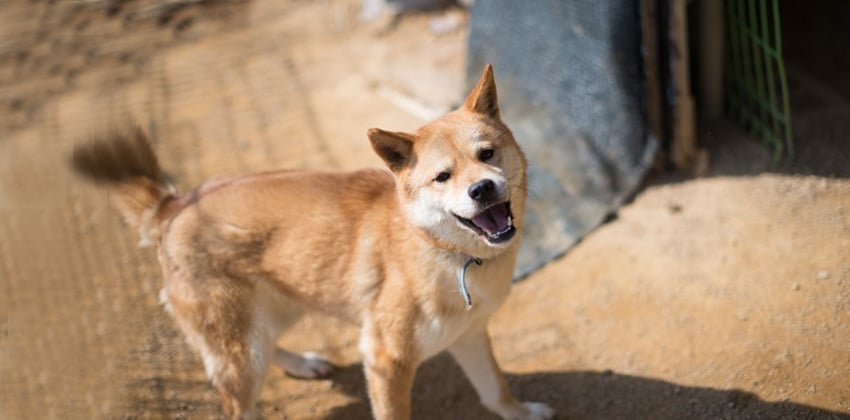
x=242, y=256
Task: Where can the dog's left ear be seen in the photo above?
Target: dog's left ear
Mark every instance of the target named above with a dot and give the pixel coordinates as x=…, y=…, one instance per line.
x=395, y=148
x=482, y=100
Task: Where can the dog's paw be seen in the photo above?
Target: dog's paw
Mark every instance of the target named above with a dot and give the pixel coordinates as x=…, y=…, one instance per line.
x=537, y=411
x=524, y=411
x=310, y=366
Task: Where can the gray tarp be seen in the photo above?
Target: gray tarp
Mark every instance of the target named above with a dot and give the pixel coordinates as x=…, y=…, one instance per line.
x=570, y=87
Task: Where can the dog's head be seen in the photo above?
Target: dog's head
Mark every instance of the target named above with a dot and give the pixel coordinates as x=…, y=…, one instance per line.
x=462, y=177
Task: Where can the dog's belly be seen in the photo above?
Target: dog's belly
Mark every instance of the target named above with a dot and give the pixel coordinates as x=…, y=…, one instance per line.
x=274, y=310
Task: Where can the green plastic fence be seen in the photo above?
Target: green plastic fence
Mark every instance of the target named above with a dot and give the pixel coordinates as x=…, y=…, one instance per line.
x=756, y=87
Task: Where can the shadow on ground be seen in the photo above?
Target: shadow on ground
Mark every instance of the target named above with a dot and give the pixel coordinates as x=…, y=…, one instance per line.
x=442, y=392
x=575, y=395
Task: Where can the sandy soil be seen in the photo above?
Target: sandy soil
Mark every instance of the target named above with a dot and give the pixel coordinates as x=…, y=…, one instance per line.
x=720, y=297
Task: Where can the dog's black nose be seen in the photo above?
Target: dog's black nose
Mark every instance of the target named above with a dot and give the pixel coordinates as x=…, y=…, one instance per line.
x=482, y=190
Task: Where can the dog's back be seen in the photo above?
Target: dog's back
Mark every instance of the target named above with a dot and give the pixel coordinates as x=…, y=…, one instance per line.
x=272, y=225
x=306, y=233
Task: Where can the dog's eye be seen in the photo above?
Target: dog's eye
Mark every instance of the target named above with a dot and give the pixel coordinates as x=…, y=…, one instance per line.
x=485, y=154
x=443, y=177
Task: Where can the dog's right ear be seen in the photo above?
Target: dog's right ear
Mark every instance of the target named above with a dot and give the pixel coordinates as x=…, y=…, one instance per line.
x=395, y=148
x=483, y=99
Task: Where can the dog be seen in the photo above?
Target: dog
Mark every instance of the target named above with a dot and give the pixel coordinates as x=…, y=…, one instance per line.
x=389, y=249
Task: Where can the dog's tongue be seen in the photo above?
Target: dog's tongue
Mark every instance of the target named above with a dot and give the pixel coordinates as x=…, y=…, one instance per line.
x=494, y=219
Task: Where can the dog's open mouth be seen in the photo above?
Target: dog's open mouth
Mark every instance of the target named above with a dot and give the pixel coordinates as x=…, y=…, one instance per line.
x=495, y=223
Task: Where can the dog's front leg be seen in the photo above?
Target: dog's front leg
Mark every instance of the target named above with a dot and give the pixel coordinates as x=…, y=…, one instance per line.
x=475, y=356
x=389, y=377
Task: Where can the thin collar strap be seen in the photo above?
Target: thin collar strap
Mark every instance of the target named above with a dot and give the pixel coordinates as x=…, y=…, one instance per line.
x=462, y=281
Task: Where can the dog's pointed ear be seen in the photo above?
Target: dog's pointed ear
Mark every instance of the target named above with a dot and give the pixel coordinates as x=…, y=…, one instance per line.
x=395, y=148
x=483, y=100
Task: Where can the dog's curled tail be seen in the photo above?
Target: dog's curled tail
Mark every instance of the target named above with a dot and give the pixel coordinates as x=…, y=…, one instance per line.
x=125, y=162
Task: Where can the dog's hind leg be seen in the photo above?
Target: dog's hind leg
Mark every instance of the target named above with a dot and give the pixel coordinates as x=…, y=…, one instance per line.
x=232, y=338
x=238, y=377
x=307, y=366
x=237, y=368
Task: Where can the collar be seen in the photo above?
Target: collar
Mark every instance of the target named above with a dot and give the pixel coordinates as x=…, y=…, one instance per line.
x=462, y=281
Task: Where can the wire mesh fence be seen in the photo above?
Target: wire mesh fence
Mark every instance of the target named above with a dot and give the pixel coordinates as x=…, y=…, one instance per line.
x=755, y=80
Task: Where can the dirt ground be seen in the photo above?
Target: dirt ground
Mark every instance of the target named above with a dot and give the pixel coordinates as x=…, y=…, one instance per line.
x=721, y=297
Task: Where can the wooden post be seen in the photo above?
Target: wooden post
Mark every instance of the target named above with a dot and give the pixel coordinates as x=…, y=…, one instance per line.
x=711, y=31
x=651, y=72
x=683, y=148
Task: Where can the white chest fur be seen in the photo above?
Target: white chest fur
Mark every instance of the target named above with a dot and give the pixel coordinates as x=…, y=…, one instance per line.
x=488, y=286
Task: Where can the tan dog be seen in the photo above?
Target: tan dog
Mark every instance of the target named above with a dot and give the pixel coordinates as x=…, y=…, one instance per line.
x=243, y=256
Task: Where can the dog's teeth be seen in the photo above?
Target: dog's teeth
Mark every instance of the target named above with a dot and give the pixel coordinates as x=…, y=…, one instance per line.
x=510, y=221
